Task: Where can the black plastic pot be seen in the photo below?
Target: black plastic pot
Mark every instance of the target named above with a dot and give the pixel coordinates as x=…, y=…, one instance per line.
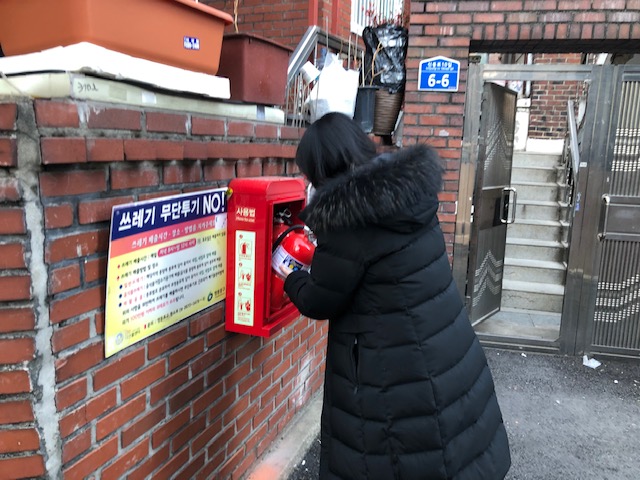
x=365, y=107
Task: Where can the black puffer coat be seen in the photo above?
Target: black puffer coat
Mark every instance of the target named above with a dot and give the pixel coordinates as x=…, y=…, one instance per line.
x=408, y=393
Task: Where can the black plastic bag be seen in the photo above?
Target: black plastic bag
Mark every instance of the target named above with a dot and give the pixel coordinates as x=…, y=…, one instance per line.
x=385, y=49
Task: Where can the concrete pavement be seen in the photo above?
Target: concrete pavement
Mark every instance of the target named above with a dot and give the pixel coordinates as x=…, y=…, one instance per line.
x=565, y=421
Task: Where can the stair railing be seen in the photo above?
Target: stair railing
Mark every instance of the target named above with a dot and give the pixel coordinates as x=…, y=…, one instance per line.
x=571, y=155
x=311, y=49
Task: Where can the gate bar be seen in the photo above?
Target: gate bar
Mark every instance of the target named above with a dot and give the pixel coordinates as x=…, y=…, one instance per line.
x=538, y=72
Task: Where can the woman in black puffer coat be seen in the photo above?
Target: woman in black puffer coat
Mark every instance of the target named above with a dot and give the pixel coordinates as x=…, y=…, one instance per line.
x=408, y=393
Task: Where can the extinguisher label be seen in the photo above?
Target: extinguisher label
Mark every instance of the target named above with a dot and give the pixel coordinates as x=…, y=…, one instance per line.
x=244, y=311
x=281, y=258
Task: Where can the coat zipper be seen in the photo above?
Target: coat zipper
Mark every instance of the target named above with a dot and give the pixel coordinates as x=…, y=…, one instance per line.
x=355, y=355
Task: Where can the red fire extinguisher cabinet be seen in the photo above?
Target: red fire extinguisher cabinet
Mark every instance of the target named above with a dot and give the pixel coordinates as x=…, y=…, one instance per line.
x=253, y=204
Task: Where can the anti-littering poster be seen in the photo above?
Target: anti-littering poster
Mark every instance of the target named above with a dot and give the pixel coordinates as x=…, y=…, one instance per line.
x=166, y=262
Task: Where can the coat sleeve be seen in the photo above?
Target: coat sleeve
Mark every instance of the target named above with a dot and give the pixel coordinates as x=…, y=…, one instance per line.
x=328, y=289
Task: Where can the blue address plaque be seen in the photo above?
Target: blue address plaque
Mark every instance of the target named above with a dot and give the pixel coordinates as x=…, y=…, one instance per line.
x=439, y=74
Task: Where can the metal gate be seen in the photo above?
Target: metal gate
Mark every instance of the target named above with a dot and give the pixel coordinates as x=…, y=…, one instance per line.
x=601, y=312
x=492, y=212
x=610, y=301
x=484, y=208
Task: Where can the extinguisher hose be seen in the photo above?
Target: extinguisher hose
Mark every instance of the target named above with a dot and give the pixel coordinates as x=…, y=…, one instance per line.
x=284, y=234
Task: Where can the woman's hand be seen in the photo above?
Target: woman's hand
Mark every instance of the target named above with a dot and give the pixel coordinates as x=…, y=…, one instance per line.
x=284, y=271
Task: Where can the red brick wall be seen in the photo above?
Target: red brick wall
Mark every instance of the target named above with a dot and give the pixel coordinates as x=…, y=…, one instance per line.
x=548, y=113
x=282, y=22
x=20, y=449
x=454, y=28
x=286, y=22
x=342, y=25
x=193, y=399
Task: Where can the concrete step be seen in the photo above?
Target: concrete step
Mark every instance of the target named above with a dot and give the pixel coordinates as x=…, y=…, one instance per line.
x=539, y=230
x=540, y=210
x=539, y=191
x=536, y=174
x=530, y=248
x=533, y=159
x=539, y=271
x=521, y=323
x=543, y=297
x=534, y=317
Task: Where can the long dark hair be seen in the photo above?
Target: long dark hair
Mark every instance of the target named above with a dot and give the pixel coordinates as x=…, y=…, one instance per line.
x=332, y=145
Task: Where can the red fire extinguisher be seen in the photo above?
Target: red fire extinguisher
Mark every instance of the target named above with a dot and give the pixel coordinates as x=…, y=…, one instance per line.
x=293, y=250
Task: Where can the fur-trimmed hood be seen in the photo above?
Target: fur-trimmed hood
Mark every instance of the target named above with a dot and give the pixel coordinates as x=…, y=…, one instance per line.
x=395, y=190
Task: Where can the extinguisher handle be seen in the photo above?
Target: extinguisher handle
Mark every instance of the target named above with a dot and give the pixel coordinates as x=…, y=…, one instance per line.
x=284, y=234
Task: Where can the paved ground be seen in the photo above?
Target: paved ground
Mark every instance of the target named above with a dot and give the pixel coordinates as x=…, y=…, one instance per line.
x=565, y=421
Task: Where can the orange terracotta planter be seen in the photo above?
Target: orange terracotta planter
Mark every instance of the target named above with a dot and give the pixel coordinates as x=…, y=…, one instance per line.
x=181, y=33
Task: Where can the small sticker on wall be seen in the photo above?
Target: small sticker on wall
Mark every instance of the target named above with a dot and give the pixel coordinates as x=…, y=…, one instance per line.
x=192, y=43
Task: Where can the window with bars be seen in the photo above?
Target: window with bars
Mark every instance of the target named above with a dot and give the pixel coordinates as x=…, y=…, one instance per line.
x=363, y=12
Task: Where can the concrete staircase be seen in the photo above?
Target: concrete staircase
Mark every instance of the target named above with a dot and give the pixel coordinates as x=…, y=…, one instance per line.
x=536, y=250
